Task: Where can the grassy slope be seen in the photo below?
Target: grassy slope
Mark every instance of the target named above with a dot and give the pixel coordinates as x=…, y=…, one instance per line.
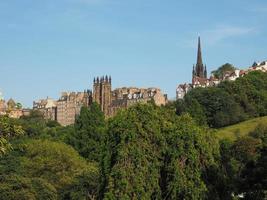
x=241, y=129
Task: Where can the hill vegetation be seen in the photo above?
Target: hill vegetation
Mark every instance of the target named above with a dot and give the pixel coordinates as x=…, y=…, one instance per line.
x=228, y=103
x=144, y=152
x=241, y=129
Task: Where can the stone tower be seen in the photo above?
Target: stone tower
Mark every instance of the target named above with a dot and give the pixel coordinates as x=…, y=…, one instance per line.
x=102, y=93
x=199, y=70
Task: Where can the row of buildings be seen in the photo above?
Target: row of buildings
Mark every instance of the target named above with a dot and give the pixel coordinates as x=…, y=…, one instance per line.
x=12, y=108
x=68, y=106
x=65, y=109
x=200, y=78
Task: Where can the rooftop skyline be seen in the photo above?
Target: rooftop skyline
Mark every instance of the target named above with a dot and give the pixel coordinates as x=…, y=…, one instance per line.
x=52, y=46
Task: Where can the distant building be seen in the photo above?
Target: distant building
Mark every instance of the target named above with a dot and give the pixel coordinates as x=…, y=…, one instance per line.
x=69, y=106
x=182, y=90
x=11, y=108
x=122, y=98
x=199, y=76
x=199, y=70
x=48, y=107
x=200, y=79
x=66, y=109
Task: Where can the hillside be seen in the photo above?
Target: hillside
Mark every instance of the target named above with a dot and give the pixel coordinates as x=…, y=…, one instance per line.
x=241, y=129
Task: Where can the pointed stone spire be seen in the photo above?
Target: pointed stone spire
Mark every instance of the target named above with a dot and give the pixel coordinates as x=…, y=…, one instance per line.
x=109, y=79
x=199, y=54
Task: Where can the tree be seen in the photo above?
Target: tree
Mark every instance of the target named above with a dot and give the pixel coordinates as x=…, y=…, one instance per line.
x=9, y=129
x=89, y=132
x=5, y=146
x=253, y=177
x=34, y=124
x=18, y=105
x=84, y=187
x=213, y=105
x=56, y=165
x=153, y=154
x=221, y=71
x=16, y=187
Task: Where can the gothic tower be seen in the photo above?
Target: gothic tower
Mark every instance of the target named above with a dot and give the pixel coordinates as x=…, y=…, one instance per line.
x=96, y=90
x=199, y=69
x=102, y=93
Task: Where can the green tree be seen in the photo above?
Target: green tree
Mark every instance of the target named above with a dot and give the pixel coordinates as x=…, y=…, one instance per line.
x=221, y=71
x=18, y=105
x=153, y=154
x=89, y=132
x=213, y=105
x=16, y=187
x=9, y=129
x=57, y=164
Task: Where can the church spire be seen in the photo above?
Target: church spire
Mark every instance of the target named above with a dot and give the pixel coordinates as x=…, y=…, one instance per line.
x=199, y=54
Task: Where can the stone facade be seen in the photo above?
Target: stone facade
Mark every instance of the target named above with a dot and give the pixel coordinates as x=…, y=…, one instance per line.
x=66, y=109
x=11, y=109
x=69, y=106
x=3, y=107
x=48, y=107
x=102, y=93
x=122, y=98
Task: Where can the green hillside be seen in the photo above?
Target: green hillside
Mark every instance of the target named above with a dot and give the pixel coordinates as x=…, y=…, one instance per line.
x=241, y=129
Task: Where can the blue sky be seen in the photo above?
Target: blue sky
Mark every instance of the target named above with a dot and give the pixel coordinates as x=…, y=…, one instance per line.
x=49, y=46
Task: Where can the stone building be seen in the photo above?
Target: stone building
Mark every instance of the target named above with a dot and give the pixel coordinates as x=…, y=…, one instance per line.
x=69, y=106
x=199, y=76
x=200, y=79
x=66, y=109
x=48, y=107
x=102, y=93
x=199, y=73
x=121, y=98
x=11, y=108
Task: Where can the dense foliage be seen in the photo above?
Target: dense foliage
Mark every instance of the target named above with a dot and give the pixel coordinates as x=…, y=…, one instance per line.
x=89, y=132
x=41, y=164
x=144, y=152
x=229, y=103
x=153, y=154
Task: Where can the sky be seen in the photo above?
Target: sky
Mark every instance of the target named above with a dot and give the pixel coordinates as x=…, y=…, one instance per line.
x=50, y=46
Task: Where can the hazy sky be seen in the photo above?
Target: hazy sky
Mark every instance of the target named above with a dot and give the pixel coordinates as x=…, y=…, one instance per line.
x=49, y=46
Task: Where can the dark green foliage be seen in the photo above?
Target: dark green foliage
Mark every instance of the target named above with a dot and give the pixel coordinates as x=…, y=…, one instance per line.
x=229, y=103
x=89, y=132
x=34, y=124
x=16, y=187
x=84, y=186
x=253, y=181
x=242, y=168
x=44, y=163
x=153, y=154
x=52, y=124
x=213, y=105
